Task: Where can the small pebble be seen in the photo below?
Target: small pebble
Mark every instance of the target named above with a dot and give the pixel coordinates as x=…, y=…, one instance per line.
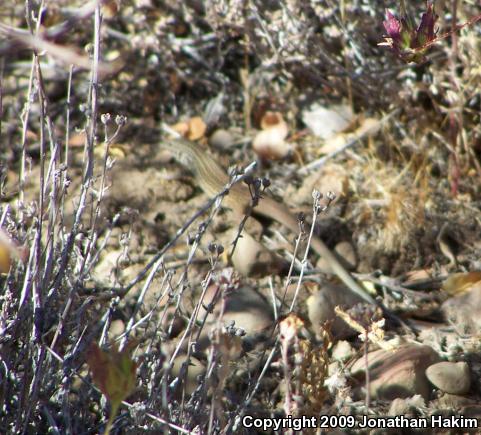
x=221, y=140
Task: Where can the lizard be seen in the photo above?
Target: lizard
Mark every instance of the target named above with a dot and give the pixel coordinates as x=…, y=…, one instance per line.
x=212, y=179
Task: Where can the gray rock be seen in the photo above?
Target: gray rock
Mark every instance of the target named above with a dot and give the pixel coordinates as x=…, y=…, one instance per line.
x=406, y=406
x=450, y=377
x=221, y=140
x=251, y=258
x=320, y=308
x=244, y=306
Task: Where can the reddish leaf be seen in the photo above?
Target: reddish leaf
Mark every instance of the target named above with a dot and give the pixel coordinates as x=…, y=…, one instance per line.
x=113, y=372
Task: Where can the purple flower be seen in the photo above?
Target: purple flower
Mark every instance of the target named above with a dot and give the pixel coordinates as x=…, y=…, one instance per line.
x=393, y=26
x=425, y=32
x=408, y=43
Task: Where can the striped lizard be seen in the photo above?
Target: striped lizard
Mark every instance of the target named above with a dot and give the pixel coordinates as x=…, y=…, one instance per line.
x=212, y=179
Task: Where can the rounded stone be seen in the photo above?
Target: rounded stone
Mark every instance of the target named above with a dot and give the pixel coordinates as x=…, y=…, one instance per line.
x=321, y=308
x=221, y=139
x=450, y=377
x=406, y=406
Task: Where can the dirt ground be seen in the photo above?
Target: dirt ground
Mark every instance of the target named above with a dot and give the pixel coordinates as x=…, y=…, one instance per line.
x=132, y=302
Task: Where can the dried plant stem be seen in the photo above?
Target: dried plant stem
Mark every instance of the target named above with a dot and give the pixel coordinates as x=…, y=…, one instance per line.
x=316, y=209
x=366, y=362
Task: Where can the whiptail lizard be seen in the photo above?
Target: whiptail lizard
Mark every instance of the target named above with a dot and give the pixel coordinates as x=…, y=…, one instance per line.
x=212, y=179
